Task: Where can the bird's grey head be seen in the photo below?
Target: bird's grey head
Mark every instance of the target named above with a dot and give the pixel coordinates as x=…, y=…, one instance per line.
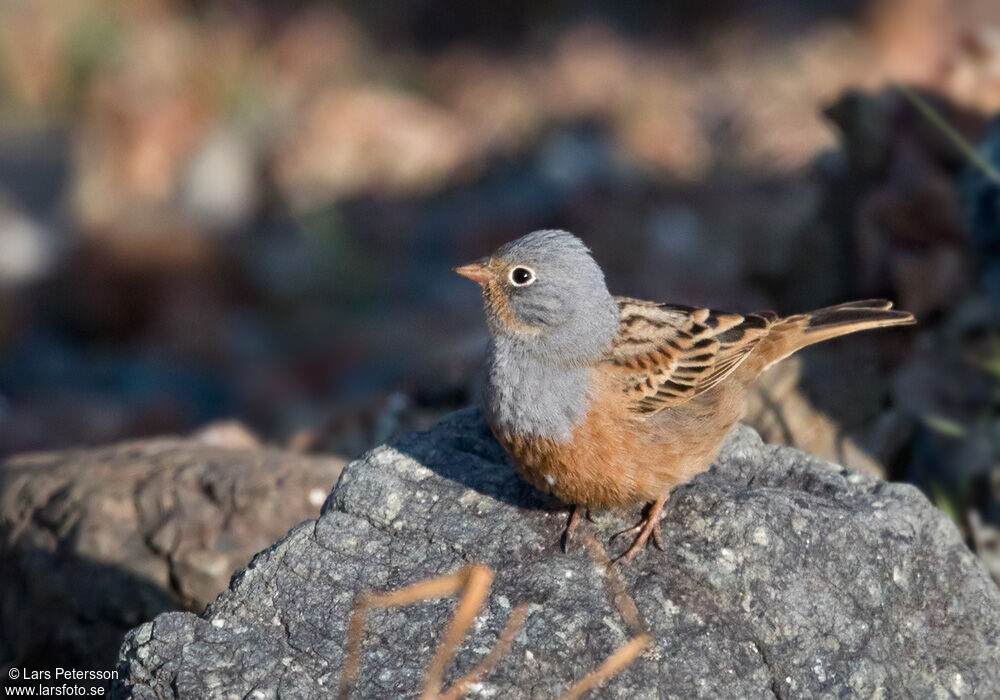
x=544, y=294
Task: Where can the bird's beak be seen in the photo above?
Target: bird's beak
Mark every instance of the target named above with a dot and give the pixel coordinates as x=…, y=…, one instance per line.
x=479, y=271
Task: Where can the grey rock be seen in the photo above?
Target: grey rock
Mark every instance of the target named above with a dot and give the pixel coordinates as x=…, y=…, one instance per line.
x=783, y=576
x=95, y=541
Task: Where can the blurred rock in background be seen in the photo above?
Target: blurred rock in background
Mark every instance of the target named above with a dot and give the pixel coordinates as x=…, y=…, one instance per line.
x=93, y=542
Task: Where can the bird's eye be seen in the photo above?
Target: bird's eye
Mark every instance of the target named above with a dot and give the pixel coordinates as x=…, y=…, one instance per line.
x=522, y=276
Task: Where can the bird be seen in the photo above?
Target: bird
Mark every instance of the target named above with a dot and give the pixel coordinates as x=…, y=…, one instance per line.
x=609, y=402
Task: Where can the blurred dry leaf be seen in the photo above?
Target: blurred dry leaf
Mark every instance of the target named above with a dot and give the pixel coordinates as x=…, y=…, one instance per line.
x=367, y=138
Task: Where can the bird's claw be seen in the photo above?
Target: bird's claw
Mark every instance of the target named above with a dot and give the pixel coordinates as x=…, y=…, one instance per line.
x=648, y=528
x=574, y=519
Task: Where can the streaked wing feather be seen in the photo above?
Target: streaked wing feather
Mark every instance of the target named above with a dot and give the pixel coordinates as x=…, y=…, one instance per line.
x=668, y=353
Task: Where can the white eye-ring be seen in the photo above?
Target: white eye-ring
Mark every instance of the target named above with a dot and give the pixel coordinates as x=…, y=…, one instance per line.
x=521, y=276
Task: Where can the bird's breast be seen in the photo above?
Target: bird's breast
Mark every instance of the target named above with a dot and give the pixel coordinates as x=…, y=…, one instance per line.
x=526, y=397
x=597, y=465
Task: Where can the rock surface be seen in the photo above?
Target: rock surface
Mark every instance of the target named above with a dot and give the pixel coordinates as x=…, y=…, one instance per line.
x=783, y=576
x=95, y=541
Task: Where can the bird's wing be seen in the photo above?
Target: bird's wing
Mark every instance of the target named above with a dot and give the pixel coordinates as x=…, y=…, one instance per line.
x=667, y=354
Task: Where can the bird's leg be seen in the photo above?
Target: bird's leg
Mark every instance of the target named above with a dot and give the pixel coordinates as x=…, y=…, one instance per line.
x=648, y=527
x=574, y=519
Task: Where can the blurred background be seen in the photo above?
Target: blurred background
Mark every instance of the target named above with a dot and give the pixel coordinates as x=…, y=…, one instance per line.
x=249, y=210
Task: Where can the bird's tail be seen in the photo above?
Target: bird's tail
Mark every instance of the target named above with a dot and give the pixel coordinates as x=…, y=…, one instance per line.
x=790, y=334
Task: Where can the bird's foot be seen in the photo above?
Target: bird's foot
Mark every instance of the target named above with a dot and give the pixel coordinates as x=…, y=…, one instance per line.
x=648, y=528
x=574, y=519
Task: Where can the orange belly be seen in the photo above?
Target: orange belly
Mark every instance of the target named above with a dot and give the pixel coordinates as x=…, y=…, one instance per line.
x=617, y=458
